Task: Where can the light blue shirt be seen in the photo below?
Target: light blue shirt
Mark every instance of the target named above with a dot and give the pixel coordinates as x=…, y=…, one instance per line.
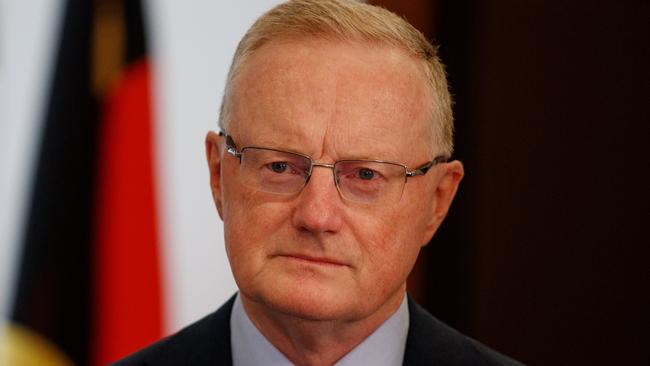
x=384, y=347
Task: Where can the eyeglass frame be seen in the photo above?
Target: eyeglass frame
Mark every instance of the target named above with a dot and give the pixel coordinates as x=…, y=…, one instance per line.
x=231, y=148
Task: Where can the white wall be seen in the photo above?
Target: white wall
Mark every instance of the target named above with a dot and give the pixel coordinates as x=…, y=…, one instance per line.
x=192, y=44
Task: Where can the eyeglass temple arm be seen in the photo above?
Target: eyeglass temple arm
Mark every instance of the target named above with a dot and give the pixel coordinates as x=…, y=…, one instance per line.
x=423, y=169
x=231, y=148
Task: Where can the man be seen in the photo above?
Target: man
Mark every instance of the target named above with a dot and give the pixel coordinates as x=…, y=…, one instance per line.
x=330, y=172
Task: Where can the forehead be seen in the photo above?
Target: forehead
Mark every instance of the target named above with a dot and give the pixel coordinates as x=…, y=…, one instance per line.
x=345, y=99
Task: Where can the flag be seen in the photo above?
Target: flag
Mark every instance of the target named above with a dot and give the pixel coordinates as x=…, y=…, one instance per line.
x=89, y=288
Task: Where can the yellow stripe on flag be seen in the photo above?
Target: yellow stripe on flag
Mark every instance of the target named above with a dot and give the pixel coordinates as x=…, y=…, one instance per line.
x=20, y=346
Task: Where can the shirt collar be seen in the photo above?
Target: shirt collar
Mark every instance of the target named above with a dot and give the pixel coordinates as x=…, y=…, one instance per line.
x=384, y=347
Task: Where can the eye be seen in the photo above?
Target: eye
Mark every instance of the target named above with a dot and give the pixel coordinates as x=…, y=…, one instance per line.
x=278, y=166
x=366, y=174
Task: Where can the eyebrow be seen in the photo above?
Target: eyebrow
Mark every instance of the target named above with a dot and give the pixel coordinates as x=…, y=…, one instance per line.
x=388, y=155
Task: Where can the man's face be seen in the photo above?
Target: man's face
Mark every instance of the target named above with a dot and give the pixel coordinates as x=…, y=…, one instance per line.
x=314, y=254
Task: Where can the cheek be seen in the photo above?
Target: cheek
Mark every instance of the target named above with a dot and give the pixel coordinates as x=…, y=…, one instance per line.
x=243, y=225
x=243, y=208
x=251, y=220
x=390, y=245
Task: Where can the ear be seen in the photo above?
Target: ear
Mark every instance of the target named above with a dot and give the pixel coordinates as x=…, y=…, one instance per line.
x=448, y=180
x=213, y=149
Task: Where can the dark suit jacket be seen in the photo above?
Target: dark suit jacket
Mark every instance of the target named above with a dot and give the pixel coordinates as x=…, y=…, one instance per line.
x=207, y=342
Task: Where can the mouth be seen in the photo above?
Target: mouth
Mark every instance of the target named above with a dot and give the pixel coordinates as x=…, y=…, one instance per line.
x=323, y=261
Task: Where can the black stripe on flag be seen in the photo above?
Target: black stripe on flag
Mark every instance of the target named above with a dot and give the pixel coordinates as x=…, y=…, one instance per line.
x=53, y=288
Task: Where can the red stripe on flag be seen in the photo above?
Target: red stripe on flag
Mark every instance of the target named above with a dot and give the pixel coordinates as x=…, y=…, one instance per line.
x=127, y=287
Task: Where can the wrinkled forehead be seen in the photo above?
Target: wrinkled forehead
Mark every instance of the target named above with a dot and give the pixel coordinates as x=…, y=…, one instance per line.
x=355, y=92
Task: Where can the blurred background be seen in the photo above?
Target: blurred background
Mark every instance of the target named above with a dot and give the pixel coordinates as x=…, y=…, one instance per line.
x=106, y=218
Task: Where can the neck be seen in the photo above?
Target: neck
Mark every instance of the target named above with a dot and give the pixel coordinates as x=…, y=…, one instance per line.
x=316, y=342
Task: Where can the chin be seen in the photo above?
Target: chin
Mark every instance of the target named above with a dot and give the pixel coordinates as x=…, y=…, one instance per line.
x=312, y=308
x=317, y=303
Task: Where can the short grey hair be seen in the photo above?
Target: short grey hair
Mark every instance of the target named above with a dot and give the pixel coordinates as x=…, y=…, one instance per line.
x=354, y=21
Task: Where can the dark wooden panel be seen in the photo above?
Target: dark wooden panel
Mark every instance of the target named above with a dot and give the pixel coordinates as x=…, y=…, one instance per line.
x=544, y=253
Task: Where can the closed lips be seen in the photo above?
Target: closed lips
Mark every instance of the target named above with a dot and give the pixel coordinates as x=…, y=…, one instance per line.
x=318, y=260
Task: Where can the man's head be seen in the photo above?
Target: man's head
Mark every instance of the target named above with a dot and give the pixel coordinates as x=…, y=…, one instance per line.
x=349, y=21
x=331, y=80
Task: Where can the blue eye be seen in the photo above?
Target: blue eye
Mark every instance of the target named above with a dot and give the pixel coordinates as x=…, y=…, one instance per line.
x=366, y=174
x=279, y=166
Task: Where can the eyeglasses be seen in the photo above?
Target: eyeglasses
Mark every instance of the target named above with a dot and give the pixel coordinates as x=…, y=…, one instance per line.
x=286, y=173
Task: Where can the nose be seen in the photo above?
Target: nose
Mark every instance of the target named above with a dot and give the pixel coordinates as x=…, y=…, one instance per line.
x=318, y=209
